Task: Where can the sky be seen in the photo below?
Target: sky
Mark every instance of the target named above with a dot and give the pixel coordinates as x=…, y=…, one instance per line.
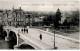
x=40, y=5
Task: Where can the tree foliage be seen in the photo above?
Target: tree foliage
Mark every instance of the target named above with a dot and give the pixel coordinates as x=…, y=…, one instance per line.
x=75, y=17
x=53, y=19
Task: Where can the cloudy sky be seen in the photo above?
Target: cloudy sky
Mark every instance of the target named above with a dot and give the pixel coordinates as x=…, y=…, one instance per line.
x=40, y=5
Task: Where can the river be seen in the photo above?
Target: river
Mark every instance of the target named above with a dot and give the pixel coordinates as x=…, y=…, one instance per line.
x=9, y=45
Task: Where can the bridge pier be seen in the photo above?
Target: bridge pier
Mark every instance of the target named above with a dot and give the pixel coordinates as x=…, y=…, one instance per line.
x=16, y=46
x=7, y=37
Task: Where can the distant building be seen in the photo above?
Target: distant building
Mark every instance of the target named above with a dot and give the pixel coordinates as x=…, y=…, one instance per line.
x=14, y=17
x=32, y=20
x=38, y=21
x=63, y=18
x=28, y=19
x=5, y=17
x=69, y=19
x=17, y=17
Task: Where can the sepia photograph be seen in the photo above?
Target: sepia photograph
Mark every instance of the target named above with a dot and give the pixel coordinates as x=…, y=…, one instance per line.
x=39, y=25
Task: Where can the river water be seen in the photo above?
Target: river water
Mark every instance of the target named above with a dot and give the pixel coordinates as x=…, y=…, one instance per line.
x=9, y=45
x=5, y=44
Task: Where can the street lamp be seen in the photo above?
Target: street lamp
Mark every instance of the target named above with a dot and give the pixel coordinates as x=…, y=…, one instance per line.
x=54, y=41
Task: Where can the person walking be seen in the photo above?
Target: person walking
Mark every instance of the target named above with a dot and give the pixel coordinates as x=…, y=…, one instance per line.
x=40, y=36
x=27, y=30
x=22, y=30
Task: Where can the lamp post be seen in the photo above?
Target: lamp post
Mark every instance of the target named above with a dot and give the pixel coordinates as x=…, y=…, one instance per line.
x=54, y=41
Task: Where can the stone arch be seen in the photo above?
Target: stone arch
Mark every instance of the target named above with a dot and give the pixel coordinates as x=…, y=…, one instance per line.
x=34, y=46
x=12, y=39
x=26, y=46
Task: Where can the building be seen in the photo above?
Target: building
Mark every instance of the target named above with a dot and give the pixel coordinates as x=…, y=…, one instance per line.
x=38, y=21
x=14, y=17
x=63, y=18
x=18, y=18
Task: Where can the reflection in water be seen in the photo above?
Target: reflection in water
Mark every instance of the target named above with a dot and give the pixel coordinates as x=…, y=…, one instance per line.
x=10, y=45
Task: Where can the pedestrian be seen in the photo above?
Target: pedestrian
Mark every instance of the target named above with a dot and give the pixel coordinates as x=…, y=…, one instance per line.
x=40, y=36
x=22, y=30
x=27, y=30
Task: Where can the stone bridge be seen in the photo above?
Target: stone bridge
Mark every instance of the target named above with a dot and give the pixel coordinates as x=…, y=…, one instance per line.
x=12, y=31
x=47, y=42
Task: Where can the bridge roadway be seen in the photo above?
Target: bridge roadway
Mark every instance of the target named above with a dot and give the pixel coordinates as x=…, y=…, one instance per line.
x=47, y=41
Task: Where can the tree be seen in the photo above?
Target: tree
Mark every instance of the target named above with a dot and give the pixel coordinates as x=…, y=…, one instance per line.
x=53, y=19
x=75, y=17
x=65, y=23
x=58, y=15
x=45, y=21
x=48, y=20
x=57, y=19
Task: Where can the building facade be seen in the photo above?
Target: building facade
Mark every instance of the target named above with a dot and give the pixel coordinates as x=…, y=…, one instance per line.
x=17, y=17
x=14, y=17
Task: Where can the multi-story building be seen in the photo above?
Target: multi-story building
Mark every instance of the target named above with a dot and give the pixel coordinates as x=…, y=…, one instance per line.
x=17, y=17
x=14, y=17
